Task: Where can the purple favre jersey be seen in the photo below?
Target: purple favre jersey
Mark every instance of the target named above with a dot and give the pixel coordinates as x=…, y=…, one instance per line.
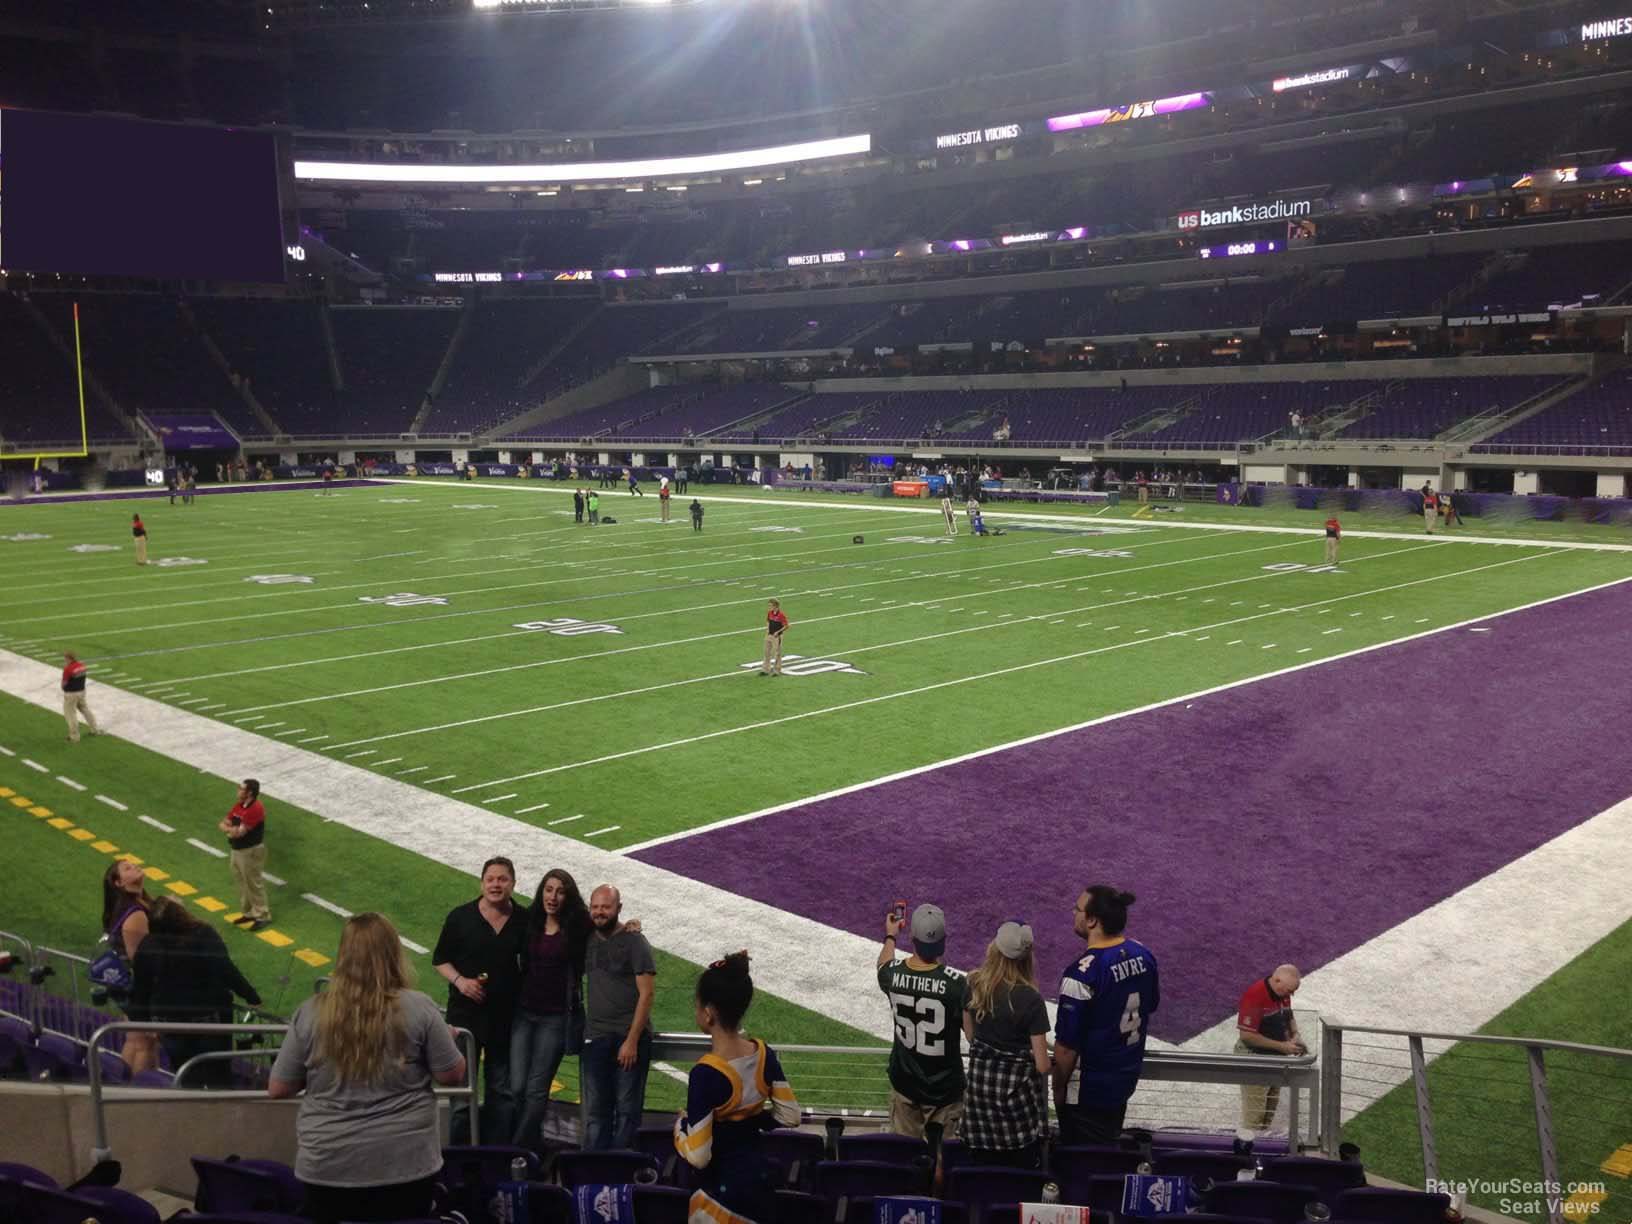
x=1106, y=1000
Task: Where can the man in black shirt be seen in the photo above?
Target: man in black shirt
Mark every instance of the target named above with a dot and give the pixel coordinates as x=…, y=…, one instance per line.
x=479, y=952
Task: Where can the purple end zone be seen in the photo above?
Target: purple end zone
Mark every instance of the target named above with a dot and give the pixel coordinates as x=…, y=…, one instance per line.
x=1287, y=820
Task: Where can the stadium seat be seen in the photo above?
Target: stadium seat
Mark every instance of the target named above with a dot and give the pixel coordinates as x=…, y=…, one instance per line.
x=601, y=1168
x=1395, y=1206
x=836, y=1179
x=978, y=1185
x=68, y=1053
x=796, y=1153
x=795, y=1207
x=1328, y=1178
x=471, y=1173
x=662, y=1205
x=237, y=1217
x=38, y=1205
x=883, y=1147
x=546, y=1204
x=1087, y=1159
x=1196, y=1165
x=27, y=1173
x=237, y=1185
x=1266, y=1199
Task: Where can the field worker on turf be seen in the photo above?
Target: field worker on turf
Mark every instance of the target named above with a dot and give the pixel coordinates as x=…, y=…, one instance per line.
x=245, y=827
x=1430, y=508
x=949, y=514
x=972, y=509
x=696, y=515
x=593, y=500
x=73, y=697
x=663, y=497
x=577, y=505
x=138, y=531
x=1334, y=533
x=776, y=624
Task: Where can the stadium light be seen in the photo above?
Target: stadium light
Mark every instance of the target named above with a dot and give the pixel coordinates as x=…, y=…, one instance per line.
x=570, y=172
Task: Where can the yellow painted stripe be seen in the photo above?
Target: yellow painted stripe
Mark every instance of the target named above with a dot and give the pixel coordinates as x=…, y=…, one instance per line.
x=131, y=858
x=276, y=938
x=81, y=834
x=1619, y=1163
x=312, y=958
x=153, y=873
x=21, y=801
x=210, y=903
x=180, y=887
x=1583, y=1204
x=41, y=812
x=106, y=847
x=6, y=792
x=232, y=917
x=61, y=822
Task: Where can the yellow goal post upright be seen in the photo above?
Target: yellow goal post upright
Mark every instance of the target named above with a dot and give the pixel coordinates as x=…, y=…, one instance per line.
x=84, y=440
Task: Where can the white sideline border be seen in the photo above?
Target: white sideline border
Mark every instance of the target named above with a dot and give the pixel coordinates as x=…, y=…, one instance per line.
x=1077, y=520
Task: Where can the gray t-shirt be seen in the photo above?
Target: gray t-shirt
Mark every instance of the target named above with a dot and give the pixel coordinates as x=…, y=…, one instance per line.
x=369, y=1134
x=612, y=964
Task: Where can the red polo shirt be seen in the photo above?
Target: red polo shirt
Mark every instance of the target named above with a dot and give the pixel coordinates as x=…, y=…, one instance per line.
x=776, y=621
x=252, y=816
x=1264, y=1012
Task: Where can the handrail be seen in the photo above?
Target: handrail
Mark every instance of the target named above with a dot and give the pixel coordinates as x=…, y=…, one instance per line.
x=101, y=1152
x=1539, y=1043
x=180, y=1073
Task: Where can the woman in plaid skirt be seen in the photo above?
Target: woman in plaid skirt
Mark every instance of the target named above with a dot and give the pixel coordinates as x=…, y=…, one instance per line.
x=1005, y=1110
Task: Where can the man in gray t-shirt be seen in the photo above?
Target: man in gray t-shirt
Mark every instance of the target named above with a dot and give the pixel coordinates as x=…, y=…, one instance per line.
x=612, y=1067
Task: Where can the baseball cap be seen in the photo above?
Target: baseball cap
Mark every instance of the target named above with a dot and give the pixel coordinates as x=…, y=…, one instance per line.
x=1013, y=939
x=929, y=931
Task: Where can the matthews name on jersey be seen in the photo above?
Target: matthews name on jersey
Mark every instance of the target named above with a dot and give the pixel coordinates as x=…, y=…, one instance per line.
x=1106, y=1000
x=926, y=1059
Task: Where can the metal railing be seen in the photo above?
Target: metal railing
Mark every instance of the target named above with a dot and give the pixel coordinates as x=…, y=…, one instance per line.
x=1504, y=1094
x=100, y=1090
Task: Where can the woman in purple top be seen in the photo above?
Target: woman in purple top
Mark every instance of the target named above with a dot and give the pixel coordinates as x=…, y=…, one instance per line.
x=553, y=966
x=125, y=906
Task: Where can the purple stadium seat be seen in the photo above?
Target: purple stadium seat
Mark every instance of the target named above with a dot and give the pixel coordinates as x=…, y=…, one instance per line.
x=106, y=1205
x=662, y=1205
x=153, y=1078
x=1395, y=1206
x=601, y=1168
x=28, y=1175
x=865, y=1211
x=238, y=1217
x=470, y=1173
x=41, y=1064
x=883, y=1147
x=546, y=1204
x=795, y=1207
x=1270, y=1200
x=11, y=1055
x=119, y=1206
x=796, y=1153
x=978, y=1185
x=1214, y=1166
x=239, y=1185
x=1087, y=1159
x=70, y=1055
x=1328, y=1178
x=836, y=1179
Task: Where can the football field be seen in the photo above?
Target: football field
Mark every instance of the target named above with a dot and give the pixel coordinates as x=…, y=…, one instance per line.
x=1286, y=761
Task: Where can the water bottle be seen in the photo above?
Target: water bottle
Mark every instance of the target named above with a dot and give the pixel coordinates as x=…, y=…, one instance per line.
x=518, y=1169
x=1051, y=1192
x=1316, y=1213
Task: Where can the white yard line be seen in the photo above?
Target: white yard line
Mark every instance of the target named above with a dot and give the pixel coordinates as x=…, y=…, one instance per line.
x=157, y=824
x=537, y=807
x=36, y=766
x=608, y=829
x=414, y=947
x=113, y=803
x=318, y=901
x=214, y=851
x=69, y=782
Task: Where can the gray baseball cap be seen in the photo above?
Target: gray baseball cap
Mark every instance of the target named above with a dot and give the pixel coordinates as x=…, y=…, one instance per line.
x=929, y=931
x=1013, y=939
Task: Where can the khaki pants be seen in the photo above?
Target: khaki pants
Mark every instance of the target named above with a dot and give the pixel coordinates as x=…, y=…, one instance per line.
x=141, y=550
x=1428, y=517
x=73, y=705
x=1331, y=550
x=909, y=1118
x=248, y=868
x=773, y=653
x=665, y=505
x=1258, y=1101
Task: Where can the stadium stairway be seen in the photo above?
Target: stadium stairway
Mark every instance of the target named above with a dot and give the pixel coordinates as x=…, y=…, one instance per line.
x=1489, y=424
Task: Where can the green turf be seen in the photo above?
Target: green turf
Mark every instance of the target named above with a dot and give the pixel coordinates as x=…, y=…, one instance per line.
x=470, y=705
x=1484, y=1124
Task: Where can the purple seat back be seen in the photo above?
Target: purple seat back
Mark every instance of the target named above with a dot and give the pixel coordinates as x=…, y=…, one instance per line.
x=233, y=1185
x=662, y=1205
x=981, y=1184
x=1328, y=1178
x=1214, y=1166
x=613, y=1168
x=837, y=1179
x=1264, y=1199
x=889, y=1149
x=119, y=1206
x=1395, y=1206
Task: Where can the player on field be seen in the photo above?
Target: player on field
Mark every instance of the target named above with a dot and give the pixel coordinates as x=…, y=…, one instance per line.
x=1106, y=1000
x=634, y=484
x=577, y=505
x=927, y=1001
x=696, y=515
x=1334, y=533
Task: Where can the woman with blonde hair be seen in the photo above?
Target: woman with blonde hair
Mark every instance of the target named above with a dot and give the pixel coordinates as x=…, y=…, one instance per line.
x=1005, y=1106
x=125, y=907
x=367, y=1051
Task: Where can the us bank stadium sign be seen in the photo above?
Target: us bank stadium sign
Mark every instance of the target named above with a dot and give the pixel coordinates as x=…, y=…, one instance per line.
x=1245, y=214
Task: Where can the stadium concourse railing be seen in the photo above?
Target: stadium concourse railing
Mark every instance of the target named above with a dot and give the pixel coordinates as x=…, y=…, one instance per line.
x=1481, y=1106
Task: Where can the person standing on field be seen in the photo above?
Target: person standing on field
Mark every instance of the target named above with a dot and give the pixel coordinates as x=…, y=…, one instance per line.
x=577, y=505
x=776, y=624
x=634, y=484
x=1334, y=533
x=593, y=501
x=1430, y=508
x=663, y=498
x=696, y=515
x=73, y=697
x=245, y=827
x=138, y=531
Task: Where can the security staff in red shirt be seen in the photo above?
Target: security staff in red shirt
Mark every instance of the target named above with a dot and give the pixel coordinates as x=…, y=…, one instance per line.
x=245, y=827
x=1334, y=533
x=138, y=531
x=1266, y=1024
x=776, y=624
x=73, y=697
